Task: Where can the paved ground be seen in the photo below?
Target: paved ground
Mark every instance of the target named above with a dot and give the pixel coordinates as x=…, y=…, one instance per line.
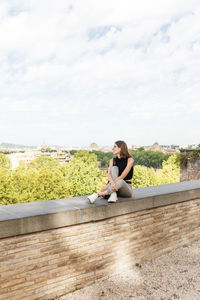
x=171, y=276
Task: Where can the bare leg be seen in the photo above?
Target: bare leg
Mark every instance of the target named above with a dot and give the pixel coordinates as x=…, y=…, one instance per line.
x=100, y=194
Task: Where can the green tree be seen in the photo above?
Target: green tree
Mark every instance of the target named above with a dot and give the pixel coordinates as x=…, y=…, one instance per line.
x=5, y=180
x=143, y=177
x=50, y=184
x=140, y=149
x=169, y=173
x=50, y=179
x=35, y=184
x=44, y=161
x=173, y=161
x=149, y=158
x=85, y=156
x=5, y=162
x=103, y=157
x=46, y=179
x=5, y=186
x=23, y=184
x=72, y=152
x=82, y=173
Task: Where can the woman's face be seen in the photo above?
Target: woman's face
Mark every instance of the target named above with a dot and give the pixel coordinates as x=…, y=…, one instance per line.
x=116, y=150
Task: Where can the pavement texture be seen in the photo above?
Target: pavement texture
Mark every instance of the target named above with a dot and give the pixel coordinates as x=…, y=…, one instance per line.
x=172, y=276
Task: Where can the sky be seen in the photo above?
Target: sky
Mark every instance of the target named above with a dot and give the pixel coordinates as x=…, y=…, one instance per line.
x=77, y=72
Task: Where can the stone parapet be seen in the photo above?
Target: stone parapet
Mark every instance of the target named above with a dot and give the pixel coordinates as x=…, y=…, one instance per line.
x=50, y=248
x=24, y=218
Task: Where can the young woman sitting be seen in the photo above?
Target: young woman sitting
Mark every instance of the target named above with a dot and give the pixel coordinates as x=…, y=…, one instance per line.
x=120, y=173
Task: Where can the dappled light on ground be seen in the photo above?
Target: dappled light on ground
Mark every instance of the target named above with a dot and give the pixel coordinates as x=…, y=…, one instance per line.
x=175, y=275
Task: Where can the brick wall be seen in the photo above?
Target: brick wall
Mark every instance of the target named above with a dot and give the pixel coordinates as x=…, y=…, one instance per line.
x=51, y=263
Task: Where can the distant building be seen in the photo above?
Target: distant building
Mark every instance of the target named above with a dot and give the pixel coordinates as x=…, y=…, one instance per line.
x=17, y=158
x=170, y=150
x=43, y=147
x=106, y=149
x=154, y=147
x=93, y=146
x=62, y=156
x=134, y=147
x=161, y=148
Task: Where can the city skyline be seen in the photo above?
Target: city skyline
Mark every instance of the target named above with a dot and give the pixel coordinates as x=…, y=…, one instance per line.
x=126, y=71
x=4, y=145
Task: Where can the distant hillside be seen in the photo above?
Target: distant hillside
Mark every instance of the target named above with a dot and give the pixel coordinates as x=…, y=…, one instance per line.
x=15, y=146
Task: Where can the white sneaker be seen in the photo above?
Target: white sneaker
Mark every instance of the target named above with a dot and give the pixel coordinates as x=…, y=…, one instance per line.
x=113, y=197
x=92, y=197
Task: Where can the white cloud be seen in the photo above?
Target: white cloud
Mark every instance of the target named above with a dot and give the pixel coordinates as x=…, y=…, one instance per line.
x=106, y=64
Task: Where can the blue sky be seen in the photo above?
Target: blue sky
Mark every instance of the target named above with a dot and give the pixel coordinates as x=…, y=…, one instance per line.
x=77, y=72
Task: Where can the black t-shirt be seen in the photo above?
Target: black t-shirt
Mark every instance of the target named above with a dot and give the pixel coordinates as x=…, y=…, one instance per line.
x=121, y=163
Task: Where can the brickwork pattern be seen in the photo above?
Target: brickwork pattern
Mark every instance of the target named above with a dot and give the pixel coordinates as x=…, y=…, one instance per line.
x=48, y=264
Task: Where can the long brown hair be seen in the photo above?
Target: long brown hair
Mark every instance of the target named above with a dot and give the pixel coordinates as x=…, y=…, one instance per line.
x=124, y=149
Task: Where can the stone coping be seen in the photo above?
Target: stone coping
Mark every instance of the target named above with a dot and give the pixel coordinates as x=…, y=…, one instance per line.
x=24, y=218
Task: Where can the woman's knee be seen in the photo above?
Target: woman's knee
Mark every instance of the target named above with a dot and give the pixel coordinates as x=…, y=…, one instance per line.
x=115, y=168
x=114, y=172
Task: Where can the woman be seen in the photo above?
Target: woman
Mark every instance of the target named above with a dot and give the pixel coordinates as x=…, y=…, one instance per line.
x=120, y=173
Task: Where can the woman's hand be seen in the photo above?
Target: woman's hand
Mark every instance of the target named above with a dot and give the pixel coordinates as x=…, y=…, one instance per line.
x=104, y=188
x=113, y=186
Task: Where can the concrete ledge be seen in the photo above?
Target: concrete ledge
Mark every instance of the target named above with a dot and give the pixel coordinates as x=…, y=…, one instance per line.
x=32, y=217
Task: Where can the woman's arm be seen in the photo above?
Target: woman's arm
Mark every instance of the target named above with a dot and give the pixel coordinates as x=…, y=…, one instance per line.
x=126, y=170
